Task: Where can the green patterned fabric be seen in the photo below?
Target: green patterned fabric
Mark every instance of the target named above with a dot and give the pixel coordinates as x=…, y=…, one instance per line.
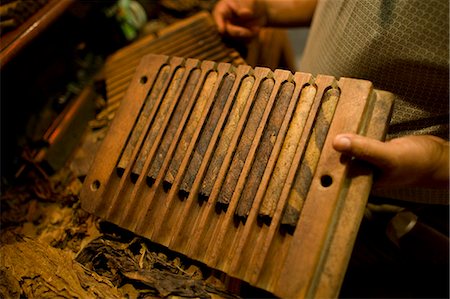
x=402, y=46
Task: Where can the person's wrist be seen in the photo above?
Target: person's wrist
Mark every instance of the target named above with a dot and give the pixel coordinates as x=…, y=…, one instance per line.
x=260, y=8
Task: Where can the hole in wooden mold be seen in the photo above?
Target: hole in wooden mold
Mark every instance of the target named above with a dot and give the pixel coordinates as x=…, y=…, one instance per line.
x=143, y=80
x=95, y=185
x=326, y=181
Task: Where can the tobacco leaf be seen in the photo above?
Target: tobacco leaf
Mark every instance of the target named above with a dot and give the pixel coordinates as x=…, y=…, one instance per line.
x=167, y=283
x=46, y=272
x=147, y=267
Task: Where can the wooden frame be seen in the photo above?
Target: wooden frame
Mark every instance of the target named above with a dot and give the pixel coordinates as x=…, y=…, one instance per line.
x=180, y=121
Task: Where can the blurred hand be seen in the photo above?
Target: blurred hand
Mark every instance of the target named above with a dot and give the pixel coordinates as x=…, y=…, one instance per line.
x=407, y=161
x=240, y=18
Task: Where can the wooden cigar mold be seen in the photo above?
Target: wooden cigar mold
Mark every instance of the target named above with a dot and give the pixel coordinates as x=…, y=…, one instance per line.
x=194, y=37
x=234, y=167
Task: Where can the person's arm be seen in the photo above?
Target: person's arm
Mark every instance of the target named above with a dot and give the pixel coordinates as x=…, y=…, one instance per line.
x=291, y=13
x=244, y=18
x=421, y=161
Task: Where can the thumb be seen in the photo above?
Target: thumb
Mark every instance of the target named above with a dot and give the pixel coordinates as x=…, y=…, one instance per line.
x=376, y=152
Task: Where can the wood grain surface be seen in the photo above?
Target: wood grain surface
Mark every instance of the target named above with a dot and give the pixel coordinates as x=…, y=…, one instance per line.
x=234, y=167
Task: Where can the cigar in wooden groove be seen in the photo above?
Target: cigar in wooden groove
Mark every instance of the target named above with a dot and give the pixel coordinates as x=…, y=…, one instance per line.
x=207, y=132
x=194, y=118
x=141, y=187
x=225, y=232
x=192, y=209
x=162, y=212
x=163, y=109
x=225, y=138
x=134, y=110
x=277, y=179
x=173, y=124
x=262, y=98
x=136, y=132
x=208, y=217
x=308, y=164
x=265, y=147
x=253, y=230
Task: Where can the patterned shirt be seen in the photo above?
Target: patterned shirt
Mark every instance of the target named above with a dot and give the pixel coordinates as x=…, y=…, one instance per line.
x=402, y=46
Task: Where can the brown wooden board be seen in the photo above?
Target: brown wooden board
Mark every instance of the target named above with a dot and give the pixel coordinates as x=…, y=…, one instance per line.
x=254, y=126
x=194, y=37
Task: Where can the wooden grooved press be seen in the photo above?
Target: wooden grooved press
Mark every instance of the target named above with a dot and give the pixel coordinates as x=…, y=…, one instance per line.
x=194, y=37
x=234, y=167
